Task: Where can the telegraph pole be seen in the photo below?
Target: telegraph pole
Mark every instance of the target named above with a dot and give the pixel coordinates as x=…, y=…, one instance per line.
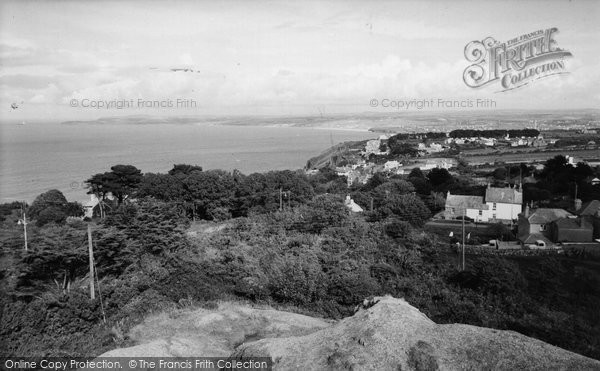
x=24, y=223
x=463, y=238
x=91, y=257
x=280, y=199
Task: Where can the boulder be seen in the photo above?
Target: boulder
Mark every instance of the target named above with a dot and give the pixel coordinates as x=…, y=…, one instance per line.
x=384, y=334
x=393, y=335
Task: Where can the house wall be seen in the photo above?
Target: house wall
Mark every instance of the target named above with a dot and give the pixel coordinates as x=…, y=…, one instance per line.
x=503, y=211
x=538, y=228
x=474, y=214
x=526, y=228
x=453, y=212
x=458, y=212
x=571, y=235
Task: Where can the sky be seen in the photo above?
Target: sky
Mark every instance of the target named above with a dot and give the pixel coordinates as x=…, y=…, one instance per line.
x=275, y=58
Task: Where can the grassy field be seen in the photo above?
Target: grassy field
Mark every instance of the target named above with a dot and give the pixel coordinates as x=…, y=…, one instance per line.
x=528, y=156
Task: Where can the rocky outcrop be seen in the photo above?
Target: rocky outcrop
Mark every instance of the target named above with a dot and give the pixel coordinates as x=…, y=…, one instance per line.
x=385, y=334
x=212, y=332
x=393, y=335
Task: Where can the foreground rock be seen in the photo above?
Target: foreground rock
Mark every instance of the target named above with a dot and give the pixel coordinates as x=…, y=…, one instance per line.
x=389, y=335
x=212, y=333
x=393, y=335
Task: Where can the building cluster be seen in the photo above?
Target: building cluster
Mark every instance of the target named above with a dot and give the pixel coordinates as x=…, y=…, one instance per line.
x=536, y=228
x=538, y=141
x=545, y=227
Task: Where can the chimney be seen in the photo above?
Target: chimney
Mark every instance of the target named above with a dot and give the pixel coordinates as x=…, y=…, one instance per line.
x=527, y=211
x=577, y=204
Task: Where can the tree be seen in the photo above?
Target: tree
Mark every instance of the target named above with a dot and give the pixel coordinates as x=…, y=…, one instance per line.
x=150, y=227
x=124, y=181
x=416, y=173
x=397, y=146
x=407, y=207
x=439, y=177
x=210, y=190
x=397, y=228
x=98, y=186
x=421, y=185
x=183, y=169
x=394, y=187
x=322, y=212
x=121, y=182
x=58, y=254
x=53, y=207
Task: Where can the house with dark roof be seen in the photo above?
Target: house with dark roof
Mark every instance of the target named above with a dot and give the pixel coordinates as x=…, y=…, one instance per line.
x=538, y=221
x=590, y=211
x=591, y=208
x=571, y=230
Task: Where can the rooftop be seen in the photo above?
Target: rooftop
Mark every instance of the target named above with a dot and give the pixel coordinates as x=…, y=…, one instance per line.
x=590, y=208
x=465, y=202
x=543, y=215
x=503, y=195
x=573, y=223
x=534, y=237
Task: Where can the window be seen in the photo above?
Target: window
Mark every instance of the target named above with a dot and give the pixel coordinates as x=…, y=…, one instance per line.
x=494, y=216
x=542, y=227
x=480, y=212
x=494, y=206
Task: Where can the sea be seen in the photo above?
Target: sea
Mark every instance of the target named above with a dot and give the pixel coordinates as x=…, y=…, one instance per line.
x=39, y=156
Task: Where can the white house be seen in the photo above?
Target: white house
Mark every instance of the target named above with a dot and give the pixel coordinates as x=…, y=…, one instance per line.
x=504, y=204
x=498, y=205
x=391, y=165
x=88, y=206
x=352, y=206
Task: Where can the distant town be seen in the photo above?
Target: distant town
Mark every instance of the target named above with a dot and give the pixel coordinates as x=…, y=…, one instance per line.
x=500, y=177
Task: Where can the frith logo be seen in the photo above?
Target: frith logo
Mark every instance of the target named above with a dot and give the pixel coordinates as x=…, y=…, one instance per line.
x=514, y=63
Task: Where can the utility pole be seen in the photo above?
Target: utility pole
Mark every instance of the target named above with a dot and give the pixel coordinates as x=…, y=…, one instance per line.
x=91, y=256
x=463, y=238
x=24, y=223
x=280, y=199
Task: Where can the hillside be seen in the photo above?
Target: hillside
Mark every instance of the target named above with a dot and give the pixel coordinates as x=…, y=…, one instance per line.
x=336, y=154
